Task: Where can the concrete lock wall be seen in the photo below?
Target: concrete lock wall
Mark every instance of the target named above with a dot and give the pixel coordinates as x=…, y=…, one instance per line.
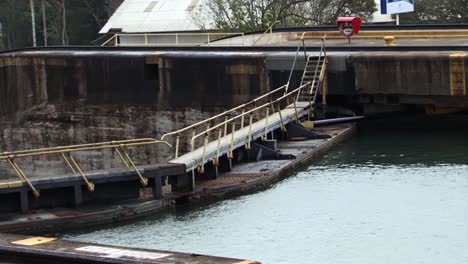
x=420, y=74
x=58, y=100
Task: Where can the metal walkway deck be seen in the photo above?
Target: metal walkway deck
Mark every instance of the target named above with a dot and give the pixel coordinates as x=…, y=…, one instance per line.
x=242, y=137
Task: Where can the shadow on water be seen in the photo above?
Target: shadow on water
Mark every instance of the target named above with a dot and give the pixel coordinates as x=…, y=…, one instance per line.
x=423, y=140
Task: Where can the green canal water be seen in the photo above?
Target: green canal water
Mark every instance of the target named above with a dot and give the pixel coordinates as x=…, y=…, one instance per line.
x=395, y=193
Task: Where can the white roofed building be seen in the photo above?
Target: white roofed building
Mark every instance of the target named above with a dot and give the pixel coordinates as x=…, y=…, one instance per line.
x=140, y=16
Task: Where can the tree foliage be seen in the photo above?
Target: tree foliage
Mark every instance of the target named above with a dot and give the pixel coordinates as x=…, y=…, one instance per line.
x=67, y=21
x=438, y=12
x=251, y=15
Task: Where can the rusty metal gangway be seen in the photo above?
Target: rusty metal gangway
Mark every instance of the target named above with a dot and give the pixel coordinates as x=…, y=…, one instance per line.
x=220, y=135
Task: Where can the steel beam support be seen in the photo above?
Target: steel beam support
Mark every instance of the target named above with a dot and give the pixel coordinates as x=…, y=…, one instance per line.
x=297, y=131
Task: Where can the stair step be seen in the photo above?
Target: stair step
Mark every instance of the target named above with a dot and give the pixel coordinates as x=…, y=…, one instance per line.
x=312, y=69
x=314, y=65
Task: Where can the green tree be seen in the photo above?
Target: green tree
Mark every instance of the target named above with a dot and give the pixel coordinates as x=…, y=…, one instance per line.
x=437, y=12
x=74, y=22
x=251, y=15
x=16, y=23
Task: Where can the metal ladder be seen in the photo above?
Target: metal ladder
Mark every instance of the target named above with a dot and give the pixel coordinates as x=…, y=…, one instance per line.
x=312, y=73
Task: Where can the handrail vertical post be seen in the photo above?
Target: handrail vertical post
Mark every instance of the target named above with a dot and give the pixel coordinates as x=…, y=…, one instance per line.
x=231, y=148
x=177, y=146
x=121, y=157
x=218, y=149
x=243, y=118
x=249, y=137
x=283, y=127
x=305, y=51
x=265, y=131
x=21, y=175
x=225, y=126
x=68, y=162
x=89, y=184
x=296, y=113
x=201, y=168
x=143, y=180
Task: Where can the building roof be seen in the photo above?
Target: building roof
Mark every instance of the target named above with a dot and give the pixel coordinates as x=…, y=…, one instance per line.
x=137, y=16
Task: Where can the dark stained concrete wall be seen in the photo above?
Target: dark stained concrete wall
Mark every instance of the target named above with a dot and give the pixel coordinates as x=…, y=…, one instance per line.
x=411, y=73
x=27, y=81
x=170, y=83
x=62, y=99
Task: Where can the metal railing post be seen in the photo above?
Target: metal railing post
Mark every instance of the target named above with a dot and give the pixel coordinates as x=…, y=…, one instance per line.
x=116, y=149
x=19, y=172
x=218, y=149
x=231, y=148
x=89, y=184
x=265, y=132
x=295, y=111
x=143, y=180
x=68, y=162
x=225, y=126
x=201, y=168
x=243, y=118
x=248, y=146
x=177, y=146
x=283, y=127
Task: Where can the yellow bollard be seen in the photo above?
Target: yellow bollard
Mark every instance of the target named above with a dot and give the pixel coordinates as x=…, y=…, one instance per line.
x=389, y=40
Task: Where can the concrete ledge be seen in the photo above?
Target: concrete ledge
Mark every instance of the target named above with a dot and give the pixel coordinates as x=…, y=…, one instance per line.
x=22, y=249
x=70, y=190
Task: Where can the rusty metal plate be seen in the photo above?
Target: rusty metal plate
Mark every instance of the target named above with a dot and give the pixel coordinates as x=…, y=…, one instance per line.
x=457, y=74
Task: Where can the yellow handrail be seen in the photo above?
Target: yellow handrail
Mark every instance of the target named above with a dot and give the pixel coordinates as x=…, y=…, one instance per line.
x=233, y=120
x=252, y=111
x=269, y=29
x=80, y=147
x=223, y=114
x=65, y=153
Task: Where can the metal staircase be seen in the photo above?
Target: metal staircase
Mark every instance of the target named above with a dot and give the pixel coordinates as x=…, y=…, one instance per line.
x=314, y=73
